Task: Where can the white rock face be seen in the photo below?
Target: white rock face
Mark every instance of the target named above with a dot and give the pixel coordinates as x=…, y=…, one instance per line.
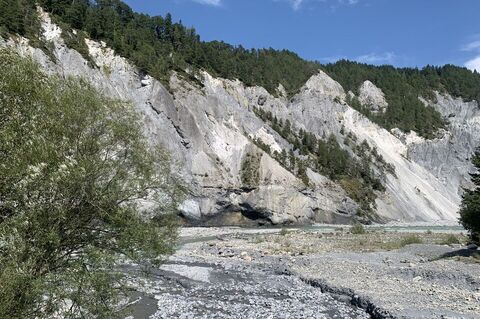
x=371, y=96
x=323, y=85
x=415, y=194
x=209, y=133
x=51, y=30
x=448, y=157
x=268, y=139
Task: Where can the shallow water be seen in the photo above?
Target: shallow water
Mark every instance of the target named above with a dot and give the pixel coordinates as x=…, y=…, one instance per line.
x=405, y=228
x=401, y=228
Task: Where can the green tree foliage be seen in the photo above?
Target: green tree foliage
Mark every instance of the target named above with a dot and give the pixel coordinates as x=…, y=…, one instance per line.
x=250, y=170
x=19, y=16
x=470, y=209
x=402, y=88
x=75, y=171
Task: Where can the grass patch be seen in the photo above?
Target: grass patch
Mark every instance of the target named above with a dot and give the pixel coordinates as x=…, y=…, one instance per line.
x=284, y=232
x=258, y=239
x=107, y=70
x=410, y=240
x=450, y=240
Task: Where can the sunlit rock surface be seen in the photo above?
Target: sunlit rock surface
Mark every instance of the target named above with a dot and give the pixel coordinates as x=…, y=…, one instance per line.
x=209, y=131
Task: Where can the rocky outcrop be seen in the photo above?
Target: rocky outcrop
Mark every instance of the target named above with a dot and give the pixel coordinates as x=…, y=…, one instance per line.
x=414, y=194
x=210, y=129
x=323, y=85
x=372, y=97
x=448, y=157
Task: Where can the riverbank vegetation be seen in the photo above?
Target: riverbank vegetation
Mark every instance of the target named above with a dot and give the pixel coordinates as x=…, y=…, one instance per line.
x=80, y=188
x=470, y=209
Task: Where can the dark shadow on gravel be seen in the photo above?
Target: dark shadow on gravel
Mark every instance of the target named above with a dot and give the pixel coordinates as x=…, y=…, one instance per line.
x=465, y=252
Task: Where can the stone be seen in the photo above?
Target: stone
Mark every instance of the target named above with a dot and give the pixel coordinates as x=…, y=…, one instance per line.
x=261, y=100
x=472, y=247
x=418, y=278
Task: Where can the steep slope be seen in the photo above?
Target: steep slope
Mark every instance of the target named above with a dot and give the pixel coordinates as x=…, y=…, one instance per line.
x=217, y=138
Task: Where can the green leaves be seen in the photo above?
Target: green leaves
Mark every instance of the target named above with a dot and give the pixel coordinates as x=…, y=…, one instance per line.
x=76, y=178
x=470, y=209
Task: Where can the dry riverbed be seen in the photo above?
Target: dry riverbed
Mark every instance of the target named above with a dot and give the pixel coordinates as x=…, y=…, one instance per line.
x=272, y=273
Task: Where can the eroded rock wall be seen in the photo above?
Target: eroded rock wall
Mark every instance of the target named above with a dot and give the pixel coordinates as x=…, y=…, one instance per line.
x=209, y=130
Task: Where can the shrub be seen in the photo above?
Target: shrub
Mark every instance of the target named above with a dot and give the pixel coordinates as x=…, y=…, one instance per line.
x=470, y=209
x=358, y=229
x=250, y=169
x=74, y=165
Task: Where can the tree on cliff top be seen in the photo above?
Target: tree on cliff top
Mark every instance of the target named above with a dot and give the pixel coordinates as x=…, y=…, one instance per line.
x=76, y=174
x=470, y=209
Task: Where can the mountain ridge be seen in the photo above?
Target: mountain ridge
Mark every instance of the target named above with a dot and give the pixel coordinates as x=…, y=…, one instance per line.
x=159, y=46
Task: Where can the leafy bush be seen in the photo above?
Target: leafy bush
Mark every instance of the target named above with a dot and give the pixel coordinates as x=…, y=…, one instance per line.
x=358, y=229
x=75, y=173
x=470, y=209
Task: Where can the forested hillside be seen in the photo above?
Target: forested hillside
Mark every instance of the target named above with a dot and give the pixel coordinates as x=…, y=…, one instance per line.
x=158, y=45
x=402, y=87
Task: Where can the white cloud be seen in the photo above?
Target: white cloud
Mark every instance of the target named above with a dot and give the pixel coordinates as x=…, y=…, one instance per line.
x=473, y=64
x=472, y=46
x=215, y=3
x=377, y=58
x=333, y=58
x=297, y=4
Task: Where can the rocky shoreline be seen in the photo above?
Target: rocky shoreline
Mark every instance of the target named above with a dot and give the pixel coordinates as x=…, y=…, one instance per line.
x=273, y=273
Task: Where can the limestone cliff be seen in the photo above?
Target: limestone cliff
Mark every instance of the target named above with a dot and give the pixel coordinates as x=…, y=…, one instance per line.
x=212, y=132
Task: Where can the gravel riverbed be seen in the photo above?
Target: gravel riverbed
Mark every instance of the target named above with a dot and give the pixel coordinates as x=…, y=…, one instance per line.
x=268, y=273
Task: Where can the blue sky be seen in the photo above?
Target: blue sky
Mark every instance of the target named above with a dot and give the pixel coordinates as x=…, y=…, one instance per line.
x=398, y=32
